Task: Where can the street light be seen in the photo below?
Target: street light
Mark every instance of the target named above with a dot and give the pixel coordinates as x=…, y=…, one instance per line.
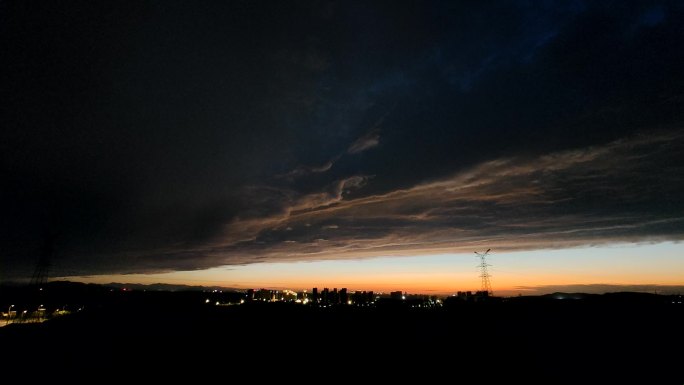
x=9, y=314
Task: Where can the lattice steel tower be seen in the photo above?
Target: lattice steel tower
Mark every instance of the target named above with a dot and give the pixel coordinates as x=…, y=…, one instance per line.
x=484, y=273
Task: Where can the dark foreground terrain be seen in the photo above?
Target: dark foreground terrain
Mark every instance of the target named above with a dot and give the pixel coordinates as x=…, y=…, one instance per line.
x=162, y=337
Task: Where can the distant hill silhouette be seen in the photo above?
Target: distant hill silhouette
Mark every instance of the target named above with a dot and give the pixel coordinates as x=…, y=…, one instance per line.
x=167, y=287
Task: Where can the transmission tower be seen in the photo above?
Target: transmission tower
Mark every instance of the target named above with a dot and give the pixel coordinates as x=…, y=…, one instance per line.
x=484, y=273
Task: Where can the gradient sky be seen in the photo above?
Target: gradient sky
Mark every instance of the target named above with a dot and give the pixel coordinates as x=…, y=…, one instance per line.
x=588, y=269
x=277, y=143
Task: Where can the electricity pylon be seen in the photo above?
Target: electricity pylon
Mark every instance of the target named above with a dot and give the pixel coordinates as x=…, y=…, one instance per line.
x=484, y=273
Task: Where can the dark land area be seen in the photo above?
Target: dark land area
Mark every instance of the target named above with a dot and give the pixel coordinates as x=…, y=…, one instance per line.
x=562, y=338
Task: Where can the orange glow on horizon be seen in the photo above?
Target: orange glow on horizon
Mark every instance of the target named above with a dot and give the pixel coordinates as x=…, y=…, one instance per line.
x=512, y=273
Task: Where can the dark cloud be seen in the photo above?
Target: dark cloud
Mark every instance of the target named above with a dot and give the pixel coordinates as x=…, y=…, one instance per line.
x=150, y=137
x=595, y=195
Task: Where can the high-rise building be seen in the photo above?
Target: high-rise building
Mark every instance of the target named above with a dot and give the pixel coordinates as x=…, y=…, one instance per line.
x=344, y=298
x=325, y=296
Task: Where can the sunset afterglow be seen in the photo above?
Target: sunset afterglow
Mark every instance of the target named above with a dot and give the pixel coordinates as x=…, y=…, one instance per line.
x=619, y=267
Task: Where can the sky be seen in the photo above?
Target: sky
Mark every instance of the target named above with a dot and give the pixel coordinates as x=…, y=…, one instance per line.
x=618, y=267
x=287, y=143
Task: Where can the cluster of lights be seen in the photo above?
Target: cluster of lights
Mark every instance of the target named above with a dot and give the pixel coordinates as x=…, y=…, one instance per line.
x=303, y=299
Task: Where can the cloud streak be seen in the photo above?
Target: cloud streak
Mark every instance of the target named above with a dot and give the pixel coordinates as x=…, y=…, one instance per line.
x=590, y=196
x=307, y=170
x=364, y=143
x=371, y=138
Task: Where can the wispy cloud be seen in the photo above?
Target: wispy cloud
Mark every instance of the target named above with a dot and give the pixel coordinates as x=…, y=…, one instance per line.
x=591, y=196
x=371, y=138
x=588, y=196
x=367, y=141
x=307, y=170
x=364, y=143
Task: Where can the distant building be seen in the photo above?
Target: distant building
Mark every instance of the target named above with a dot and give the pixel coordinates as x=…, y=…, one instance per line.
x=266, y=295
x=344, y=297
x=468, y=296
x=362, y=298
x=325, y=296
